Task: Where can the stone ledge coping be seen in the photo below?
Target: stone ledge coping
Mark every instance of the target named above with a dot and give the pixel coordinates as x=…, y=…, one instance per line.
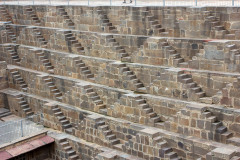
x=133, y=35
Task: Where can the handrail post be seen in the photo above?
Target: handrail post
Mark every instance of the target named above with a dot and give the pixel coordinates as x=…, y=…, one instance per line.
x=21, y=129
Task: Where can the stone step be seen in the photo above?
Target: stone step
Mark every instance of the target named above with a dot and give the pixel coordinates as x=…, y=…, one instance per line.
x=107, y=132
x=111, y=137
x=74, y=157
x=118, y=146
x=196, y=89
x=164, y=151
x=225, y=136
x=234, y=141
x=218, y=28
x=142, y=90
x=171, y=155
x=187, y=80
x=155, y=119
x=200, y=94
x=148, y=110
x=58, y=114
x=215, y=125
x=71, y=152
x=64, y=144
x=221, y=129
x=67, y=148
x=104, y=127
x=114, y=142
x=66, y=126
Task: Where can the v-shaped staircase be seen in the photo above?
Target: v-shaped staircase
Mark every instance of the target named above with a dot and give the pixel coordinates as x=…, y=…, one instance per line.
x=11, y=34
x=138, y=85
x=109, y=135
x=65, y=124
x=105, y=23
x=19, y=80
x=196, y=93
x=218, y=31
x=5, y=14
x=154, y=119
x=53, y=89
x=121, y=52
x=84, y=69
x=34, y=17
x=72, y=155
x=13, y=54
x=24, y=106
x=66, y=17
x=73, y=43
x=47, y=64
x=100, y=106
x=155, y=28
x=40, y=37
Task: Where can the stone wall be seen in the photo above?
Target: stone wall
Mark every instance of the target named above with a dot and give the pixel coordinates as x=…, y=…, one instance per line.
x=131, y=135
x=135, y=81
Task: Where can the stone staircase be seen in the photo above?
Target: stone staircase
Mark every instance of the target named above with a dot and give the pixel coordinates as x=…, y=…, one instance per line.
x=5, y=14
x=121, y=52
x=221, y=132
x=66, y=17
x=40, y=37
x=137, y=84
x=53, y=89
x=100, y=106
x=154, y=28
x=109, y=135
x=218, y=31
x=84, y=69
x=24, y=106
x=13, y=54
x=154, y=119
x=105, y=23
x=47, y=64
x=233, y=51
x=19, y=80
x=5, y=113
x=175, y=58
x=11, y=34
x=165, y=151
x=65, y=124
x=73, y=42
x=195, y=92
x=34, y=17
x=71, y=154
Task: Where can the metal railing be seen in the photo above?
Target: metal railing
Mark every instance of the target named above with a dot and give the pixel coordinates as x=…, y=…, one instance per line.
x=120, y=2
x=13, y=130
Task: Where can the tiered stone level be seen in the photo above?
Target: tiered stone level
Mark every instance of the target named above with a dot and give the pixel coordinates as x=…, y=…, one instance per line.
x=126, y=82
